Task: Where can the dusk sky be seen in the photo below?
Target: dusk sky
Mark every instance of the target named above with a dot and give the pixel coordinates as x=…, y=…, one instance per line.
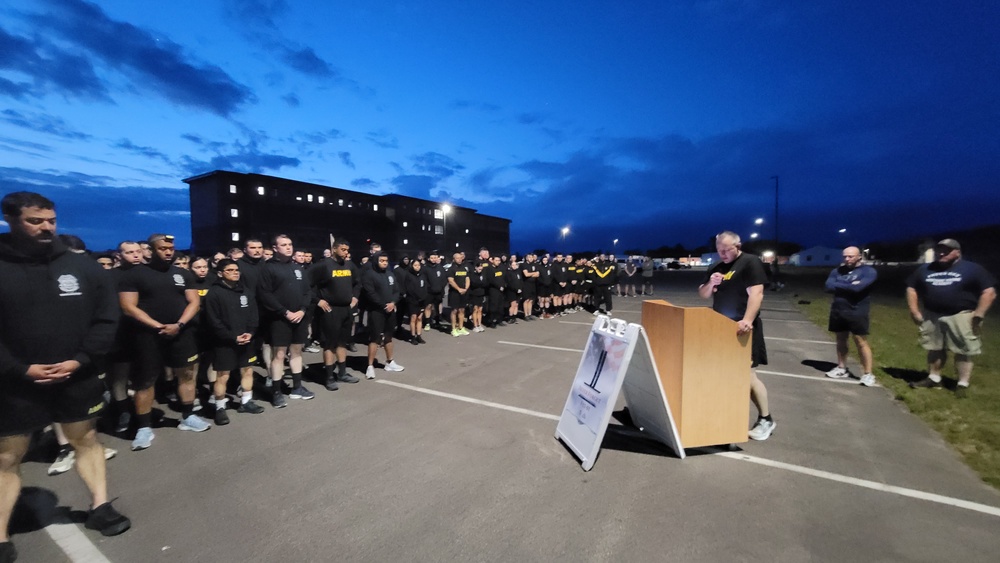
x=651, y=122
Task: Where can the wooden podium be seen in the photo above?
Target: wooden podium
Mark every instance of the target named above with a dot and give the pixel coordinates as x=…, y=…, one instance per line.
x=705, y=371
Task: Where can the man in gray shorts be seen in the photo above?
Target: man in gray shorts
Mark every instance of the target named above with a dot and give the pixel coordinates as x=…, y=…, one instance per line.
x=956, y=294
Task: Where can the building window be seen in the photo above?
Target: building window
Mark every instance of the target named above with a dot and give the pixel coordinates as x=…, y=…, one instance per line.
x=438, y=230
x=406, y=241
x=438, y=214
x=232, y=188
x=309, y=198
x=320, y=199
x=298, y=198
x=466, y=231
x=234, y=212
x=236, y=237
x=340, y=202
x=375, y=207
x=404, y=223
x=456, y=245
x=260, y=190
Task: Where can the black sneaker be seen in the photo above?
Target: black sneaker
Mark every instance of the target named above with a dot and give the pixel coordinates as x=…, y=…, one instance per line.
x=7, y=552
x=331, y=384
x=420, y=339
x=347, y=378
x=221, y=418
x=107, y=520
x=278, y=399
x=250, y=407
x=925, y=383
x=124, y=421
x=414, y=341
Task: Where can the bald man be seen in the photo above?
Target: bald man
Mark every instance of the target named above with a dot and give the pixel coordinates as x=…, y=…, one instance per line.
x=851, y=283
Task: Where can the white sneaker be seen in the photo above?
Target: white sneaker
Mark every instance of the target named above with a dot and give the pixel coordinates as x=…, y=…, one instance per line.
x=370, y=372
x=393, y=366
x=762, y=430
x=109, y=452
x=838, y=373
x=193, y=423
x=63, y=463
x=868, y=380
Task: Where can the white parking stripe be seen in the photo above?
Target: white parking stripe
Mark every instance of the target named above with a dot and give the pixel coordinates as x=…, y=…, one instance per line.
x=75, y=544
x=799, y=340
x=540, y=346
x=892, y=489
x=848, y=381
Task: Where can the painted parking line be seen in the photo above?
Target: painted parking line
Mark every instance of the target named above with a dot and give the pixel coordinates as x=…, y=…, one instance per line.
x=848, y=381
x=786, y=321
x=828, y=342
x=759, y=371
x=75, y=544
x=556, y=348
x=802, y=470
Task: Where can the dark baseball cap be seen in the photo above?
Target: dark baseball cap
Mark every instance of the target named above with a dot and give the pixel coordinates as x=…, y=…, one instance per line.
x=949, y=243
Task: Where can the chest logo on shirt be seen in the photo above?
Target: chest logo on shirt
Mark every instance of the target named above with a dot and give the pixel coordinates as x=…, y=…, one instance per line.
x=392, y=280
x=298, y=274
x=341, y=274
x=728, y=276
x=244, y=302
x=68, y=285
x=202, y=292
x=178, y=279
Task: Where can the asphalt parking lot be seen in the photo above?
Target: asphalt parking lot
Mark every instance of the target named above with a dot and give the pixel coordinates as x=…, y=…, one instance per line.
x=454, y=459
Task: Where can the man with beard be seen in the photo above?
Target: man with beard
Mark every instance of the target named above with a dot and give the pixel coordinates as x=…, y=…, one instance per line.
x=337, y=284
x=956, y=295
x=160, y=301
x=57, y=320
x=851, y=283
x=437, y=280
x=381, y=292
x=458, y=282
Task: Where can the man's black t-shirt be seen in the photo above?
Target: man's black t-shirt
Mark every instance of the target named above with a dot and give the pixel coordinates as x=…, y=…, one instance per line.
x=730, y=297
x=161, y=292
x=950, y=290
x=459, y=273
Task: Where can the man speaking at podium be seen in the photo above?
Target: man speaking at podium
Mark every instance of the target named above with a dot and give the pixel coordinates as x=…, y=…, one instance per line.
x=736, y=287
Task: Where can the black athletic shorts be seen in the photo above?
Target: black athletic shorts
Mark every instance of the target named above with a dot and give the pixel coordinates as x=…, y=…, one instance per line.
x=381, y=324
x=457, y=300
x=848, y=321
x=558, y=290
x=124, y=346
x=435, y=298
x=26, y=406
x=529, y=291
x=336, y=327
x=477, y=299
x=544, y=290
x=510, y=295
x=234, y=357
x=153, y=353
x=283, y=333
x=758, y=351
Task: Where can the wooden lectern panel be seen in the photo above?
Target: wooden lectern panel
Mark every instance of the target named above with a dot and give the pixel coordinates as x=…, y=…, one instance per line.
x=704, y=367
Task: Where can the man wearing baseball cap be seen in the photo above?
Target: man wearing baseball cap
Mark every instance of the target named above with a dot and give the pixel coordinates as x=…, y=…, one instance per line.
x=955, y=294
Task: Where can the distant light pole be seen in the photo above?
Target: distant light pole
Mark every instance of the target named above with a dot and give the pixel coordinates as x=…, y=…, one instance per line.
x=758, y=221
x=614, y=246
x=777, y=248
x=564, y=231
x=754, y=235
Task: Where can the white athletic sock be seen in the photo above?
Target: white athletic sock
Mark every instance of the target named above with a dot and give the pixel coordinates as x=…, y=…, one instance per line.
x=220, y=404
x=246, y=397
x=935, y=377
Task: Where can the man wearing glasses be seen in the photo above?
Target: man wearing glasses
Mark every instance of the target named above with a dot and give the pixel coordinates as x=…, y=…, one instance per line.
x=736, y=287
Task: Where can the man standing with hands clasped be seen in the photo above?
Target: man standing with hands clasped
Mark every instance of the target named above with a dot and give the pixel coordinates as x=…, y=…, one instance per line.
x=956, y=294
x=850, y=283
x=736, y=287
x=58, y=318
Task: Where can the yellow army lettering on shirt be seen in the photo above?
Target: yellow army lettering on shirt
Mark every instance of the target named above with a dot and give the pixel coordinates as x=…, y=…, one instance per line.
x=498, y=274
x=341, y=274
x=95, y=408
x=202, y=292
x=461, y=273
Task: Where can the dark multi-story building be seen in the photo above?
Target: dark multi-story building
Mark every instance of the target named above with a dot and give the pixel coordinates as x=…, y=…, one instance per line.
x=227, y=208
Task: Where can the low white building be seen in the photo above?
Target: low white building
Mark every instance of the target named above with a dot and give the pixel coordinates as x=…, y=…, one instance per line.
x=817, y=256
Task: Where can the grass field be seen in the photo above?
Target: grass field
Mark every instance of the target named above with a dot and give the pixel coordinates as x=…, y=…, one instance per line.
x=971, y=425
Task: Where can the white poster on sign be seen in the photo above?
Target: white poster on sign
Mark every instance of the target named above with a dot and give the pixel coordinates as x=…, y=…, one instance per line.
x=606, y=363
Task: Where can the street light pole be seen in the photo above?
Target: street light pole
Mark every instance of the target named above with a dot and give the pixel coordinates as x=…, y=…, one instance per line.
x=777, y=252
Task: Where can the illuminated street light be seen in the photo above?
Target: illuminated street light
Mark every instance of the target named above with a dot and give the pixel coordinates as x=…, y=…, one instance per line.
x=758, y=221
x=754, y=235
x=564, y=232
x=842, y=231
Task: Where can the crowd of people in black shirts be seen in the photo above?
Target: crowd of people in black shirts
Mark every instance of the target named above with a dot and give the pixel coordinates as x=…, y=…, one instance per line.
x=189, y=322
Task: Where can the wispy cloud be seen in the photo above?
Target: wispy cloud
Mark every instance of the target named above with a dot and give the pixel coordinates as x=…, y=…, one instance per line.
x=155, y=65
x=46, y=67
x=474, y=105
x=50, y=124
x=148, y=152
x=345, y=158
x=382, y=138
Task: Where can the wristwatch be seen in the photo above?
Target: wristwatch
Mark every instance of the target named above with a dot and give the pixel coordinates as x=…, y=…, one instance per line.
x=180, y=325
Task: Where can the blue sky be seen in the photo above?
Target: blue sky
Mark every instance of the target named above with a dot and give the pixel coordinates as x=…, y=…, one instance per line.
x=653, y=122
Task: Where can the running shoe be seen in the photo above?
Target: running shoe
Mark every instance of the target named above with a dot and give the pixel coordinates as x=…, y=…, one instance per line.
x=143, y=439
x=838, y=373
x=193, y=423
x=250, y=407
x=64, y=461
x=301, y=392
x=868, y=380
x=393, y=366
x=762, y=430
x=107, y=520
